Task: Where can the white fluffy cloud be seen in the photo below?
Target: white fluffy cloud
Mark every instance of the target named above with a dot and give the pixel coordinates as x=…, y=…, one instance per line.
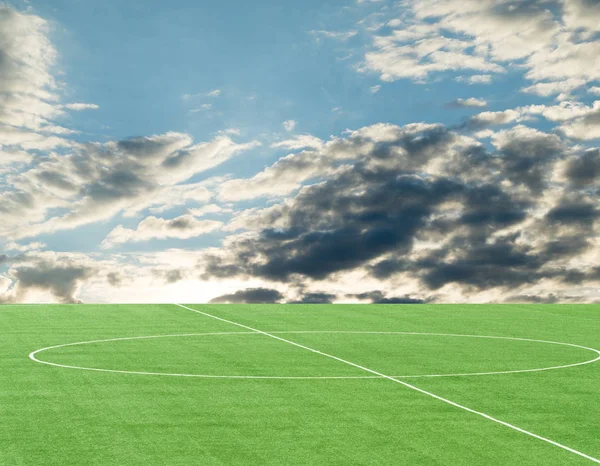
x=209, y=209
x=554, y=39
x=213, y=93
x=586, y=127
x=29, y=92
x=319, y=160
x=336, y=35
x=28, y=89
x=81, y=106
x=575, y=119
x=35, y=246
x=399, y=56
x=14, y=157
x=49, y=182
x=476, y=79
x=584, y=14
x=96, y=181
x=365, y=176
x=484, y=215
x=564, y=111
x=283, y=177
x=184, y=227
x=299, y=142
x=470, y=102
x=289, y=125
x=496, y=118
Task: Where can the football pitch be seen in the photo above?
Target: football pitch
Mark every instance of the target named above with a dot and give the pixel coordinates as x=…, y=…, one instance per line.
x=299, y=384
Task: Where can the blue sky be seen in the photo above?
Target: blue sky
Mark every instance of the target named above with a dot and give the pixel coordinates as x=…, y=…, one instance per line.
x=249, y=107
x=137, y=61
x=140, y=58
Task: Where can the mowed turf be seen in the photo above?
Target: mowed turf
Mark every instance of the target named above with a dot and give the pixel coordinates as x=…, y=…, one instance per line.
x=289, y=405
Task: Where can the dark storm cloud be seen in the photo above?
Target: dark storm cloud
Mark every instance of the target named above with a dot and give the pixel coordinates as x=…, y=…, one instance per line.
x=144, y=147
x=490, y=206
x=585, y=169
x=315, y=298
x=177, y=160
x=371, y=215
x=379, y=297
x=523, y=156
x=424, y=144
x=591, y=3
x=424, y=203
x=567, y=246
x=119, y=184
x=331, y=229
x=526, y=158
x=169, y=276
x=173, y=276
x=593, y=274
x=533, y=299
x=61, y=279
x=182, y=223
x=58, y=274
x=400, y=300
x=518, y=9
x=114, y=279
x=55, y=179
x=386, y=218
x=391, y=266
x=480, y=266
x=250, y=296
x=96, y=181
x=574, y=212
x=504, y=263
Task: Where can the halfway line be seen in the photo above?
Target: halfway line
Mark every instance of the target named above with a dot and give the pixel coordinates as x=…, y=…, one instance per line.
x=412, y=387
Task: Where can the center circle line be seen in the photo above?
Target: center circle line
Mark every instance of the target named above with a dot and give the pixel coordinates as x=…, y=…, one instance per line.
x=33, y=354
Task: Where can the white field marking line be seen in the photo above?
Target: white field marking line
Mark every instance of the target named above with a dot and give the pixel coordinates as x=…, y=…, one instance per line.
x=470, y=336
x=33, y=354
x=33, y=357
x=407, y=385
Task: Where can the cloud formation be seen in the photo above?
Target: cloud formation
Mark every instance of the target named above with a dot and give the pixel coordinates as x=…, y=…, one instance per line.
x=289, y=125
x=49, y=182
x=81, y=106
x=28, y=88
x=470, y=102
x=59, y=275
x=97, y=181
x=503, y=206
x=379, y=297
x=183, y=227
x=250, y=296
x=424, y=203
x=555, y=42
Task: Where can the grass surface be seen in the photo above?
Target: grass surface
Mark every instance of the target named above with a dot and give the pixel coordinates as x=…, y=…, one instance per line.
x=59, y=416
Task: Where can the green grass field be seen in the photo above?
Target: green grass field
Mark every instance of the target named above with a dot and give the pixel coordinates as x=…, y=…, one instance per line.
x=206, y=391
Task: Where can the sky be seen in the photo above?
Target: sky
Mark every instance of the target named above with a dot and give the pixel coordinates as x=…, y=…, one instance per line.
x=356, y=151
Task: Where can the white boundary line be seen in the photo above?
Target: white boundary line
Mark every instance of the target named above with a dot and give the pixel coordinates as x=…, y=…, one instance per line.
x=407, y=385
x=33, y=355
x=597, y=358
